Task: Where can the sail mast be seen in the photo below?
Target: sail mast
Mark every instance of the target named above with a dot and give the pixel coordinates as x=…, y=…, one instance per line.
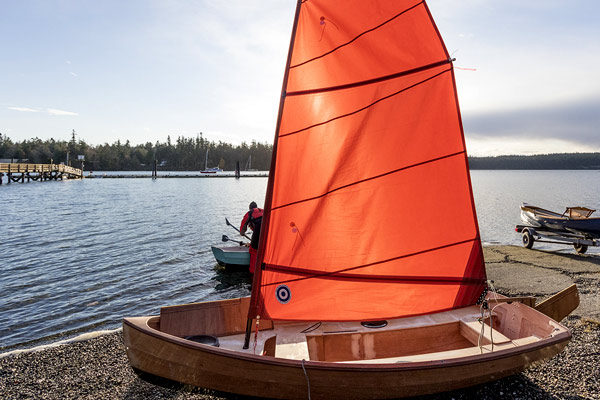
x=255, y=297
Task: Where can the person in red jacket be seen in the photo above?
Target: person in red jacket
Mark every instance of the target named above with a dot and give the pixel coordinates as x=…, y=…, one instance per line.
x=252, y=219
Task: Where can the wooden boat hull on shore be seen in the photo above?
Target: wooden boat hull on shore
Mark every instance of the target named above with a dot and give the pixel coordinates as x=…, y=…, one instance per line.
x=156, y=345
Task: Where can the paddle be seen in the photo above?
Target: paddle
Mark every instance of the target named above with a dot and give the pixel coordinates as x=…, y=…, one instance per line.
x=226, y=239
x=237, y=230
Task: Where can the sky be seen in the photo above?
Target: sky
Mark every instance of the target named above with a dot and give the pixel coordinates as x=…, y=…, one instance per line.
x=141, y=70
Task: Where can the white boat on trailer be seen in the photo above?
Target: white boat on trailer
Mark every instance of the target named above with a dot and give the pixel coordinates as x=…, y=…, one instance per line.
x=574, y=227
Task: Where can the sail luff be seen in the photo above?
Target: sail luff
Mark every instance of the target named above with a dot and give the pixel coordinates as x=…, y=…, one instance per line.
x=478, y=247
x=255, y=295
x=467, y=294
x=462, y=131
x=439, y=35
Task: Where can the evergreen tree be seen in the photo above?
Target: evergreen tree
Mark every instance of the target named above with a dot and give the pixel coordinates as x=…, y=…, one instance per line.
x=187, y=153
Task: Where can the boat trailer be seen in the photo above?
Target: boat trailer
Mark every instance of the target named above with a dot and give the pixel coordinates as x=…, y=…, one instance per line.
x=531, y=234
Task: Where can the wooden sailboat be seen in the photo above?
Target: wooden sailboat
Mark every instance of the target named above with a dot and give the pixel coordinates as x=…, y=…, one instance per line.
x=372, y=281
x=248, y=166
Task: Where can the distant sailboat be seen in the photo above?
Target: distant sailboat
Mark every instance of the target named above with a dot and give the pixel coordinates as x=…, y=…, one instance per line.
x=249, y=164
x=372, y=282
x=207, y=170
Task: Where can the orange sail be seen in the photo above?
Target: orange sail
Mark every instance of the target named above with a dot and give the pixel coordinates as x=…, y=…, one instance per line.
x=369, y=211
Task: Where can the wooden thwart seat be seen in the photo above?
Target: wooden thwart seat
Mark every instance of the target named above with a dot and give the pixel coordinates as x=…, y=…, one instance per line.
x=471, y=330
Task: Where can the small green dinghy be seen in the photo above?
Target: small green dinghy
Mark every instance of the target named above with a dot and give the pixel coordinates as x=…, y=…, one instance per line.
x=232, y=255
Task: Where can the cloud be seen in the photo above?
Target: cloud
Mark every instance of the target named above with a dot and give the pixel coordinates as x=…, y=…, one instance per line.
x=483, y=146
x=23, y=109
x=73, y=74
x=575, y=121
x=53, y=111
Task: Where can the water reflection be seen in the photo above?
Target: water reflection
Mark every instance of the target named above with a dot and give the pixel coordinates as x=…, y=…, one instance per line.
x=232, y=278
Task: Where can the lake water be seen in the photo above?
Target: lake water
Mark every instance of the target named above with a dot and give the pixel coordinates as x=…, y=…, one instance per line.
x=77, y=256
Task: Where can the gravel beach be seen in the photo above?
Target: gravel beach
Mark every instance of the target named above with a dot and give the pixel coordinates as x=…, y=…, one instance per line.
x=98, y=368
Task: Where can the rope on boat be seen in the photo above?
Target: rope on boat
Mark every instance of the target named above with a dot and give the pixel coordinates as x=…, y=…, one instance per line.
x=307, y=380
x=483, y=307
x=256, y=333
x=492, y=313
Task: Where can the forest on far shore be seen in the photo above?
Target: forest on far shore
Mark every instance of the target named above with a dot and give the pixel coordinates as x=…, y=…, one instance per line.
x=185, y=154
x=538, y=161
x=190, y=154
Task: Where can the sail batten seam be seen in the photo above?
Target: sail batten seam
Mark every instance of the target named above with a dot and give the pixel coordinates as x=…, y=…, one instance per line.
x=369, y=81
x=340, y=274
x=368, y=105
x=357, y=37
x=369, y=179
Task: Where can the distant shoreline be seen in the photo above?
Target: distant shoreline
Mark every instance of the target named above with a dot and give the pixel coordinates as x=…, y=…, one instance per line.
x=100, y=175
x=564, y=161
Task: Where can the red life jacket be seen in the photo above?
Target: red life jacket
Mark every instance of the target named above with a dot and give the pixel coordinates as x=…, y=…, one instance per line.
x=252, y=216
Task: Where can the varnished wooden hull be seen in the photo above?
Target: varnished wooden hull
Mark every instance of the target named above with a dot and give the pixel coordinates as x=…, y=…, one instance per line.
x=173, y=357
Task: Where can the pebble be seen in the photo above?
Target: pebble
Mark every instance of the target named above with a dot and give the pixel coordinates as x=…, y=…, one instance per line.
x=98, y=369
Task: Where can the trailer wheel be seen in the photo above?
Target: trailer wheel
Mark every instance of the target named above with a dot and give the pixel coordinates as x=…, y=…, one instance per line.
x=527, y=239
x=580, y=248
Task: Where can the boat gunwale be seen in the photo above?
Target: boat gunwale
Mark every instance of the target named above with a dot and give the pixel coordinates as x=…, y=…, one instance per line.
x=558, y=339
x=553, y=215
x=223, y=248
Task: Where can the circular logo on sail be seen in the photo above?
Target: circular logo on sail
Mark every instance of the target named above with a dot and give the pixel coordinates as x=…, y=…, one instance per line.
x=283, y=294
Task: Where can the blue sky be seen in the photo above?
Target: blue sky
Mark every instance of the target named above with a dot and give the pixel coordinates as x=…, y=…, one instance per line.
x=142, y=70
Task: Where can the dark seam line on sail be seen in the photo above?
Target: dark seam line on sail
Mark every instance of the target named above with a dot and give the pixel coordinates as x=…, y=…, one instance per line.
x=368, y=179
x=422, y=280
x=335, y=274
x=356, y=37
x=367, y=106
x=369, y=81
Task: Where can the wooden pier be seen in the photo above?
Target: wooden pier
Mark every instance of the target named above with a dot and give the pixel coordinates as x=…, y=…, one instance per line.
x=18, y=172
